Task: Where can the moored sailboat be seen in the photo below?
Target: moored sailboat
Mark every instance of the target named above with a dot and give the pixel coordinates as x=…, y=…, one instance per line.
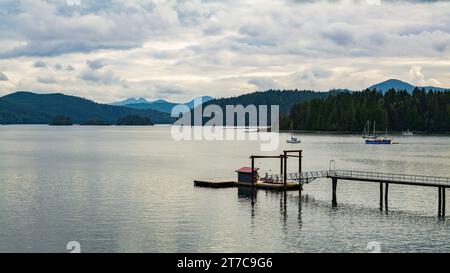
x=376, y=139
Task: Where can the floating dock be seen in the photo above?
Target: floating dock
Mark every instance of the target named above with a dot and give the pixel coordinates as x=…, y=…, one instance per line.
x=225, y=183
x=283, y=181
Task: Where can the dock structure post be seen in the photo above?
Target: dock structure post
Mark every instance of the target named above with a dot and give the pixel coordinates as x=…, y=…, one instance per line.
x=334, y=186
x=253, y=174
x=285, y=171
x=299, y=173
x=443, y=201
x=299, y=162
x=439, y=201
x=281, y=165
x=386, y=194
x=381, y=196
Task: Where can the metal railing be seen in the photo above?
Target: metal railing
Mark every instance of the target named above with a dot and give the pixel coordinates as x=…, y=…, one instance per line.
x=391, y=177
x=308, y=177
x=305, y=177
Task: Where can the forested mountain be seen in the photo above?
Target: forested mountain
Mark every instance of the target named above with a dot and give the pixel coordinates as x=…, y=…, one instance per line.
x=286, y=99
x=401, y=85
x=395, y=110
x=31, y=108
x=339, y=110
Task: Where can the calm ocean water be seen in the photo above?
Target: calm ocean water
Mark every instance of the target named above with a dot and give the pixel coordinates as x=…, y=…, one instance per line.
x=116, y=189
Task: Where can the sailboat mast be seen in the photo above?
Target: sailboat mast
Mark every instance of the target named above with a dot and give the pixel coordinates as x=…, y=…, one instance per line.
x=292, y=128
x=374, y=128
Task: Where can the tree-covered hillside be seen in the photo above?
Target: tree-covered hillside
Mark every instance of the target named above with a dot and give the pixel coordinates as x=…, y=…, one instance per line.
x=395, y=110
x=31, y=108
x=286, y=99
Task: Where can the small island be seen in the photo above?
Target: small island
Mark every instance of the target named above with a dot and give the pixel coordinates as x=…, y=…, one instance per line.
x=134, y=120
x=61, y=121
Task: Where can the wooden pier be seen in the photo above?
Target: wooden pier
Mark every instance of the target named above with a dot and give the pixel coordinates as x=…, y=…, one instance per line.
x=217, y=184
x=384, y=179
x=284, y=181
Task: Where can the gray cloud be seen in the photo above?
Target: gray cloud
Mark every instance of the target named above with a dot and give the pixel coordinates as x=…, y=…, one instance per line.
x=165, y=91
x=95, y=65
x=61, y=67
x=40, y=64
x=99, y=77
x=3, y=77
x=180, y=48
x=263, y=83
x=94, y=26
x=56, y=48
x=339, y=37
x=46, y=80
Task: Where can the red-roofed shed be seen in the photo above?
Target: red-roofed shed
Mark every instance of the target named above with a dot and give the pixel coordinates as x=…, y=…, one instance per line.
x=247, y=170
x=245, y=175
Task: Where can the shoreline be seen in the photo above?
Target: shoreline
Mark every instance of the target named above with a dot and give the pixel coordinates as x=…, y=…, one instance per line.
x=396, y=133
x=416, y=133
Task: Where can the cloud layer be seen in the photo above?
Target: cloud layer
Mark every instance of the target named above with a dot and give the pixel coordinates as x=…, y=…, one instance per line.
x=111, y=49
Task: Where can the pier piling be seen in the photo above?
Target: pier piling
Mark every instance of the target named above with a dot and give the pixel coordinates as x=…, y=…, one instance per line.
x=285, y=170
x=381, y=196
x=440, y=202
x=253, y=175
x=443, y=201
x=299, y=172
x=334, y=186
x=386, y=197
x=281, y=165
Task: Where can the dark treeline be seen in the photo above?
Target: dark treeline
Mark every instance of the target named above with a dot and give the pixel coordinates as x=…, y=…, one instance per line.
x=285, y=99
x=395, y=110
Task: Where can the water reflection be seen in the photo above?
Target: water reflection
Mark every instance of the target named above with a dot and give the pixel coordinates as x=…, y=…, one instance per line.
x=246, y=193
x=130, y=190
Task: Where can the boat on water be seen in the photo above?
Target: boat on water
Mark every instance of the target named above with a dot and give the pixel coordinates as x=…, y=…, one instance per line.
x=374, y=139
x=293, y=139
x=378, y=140
x=407, y=133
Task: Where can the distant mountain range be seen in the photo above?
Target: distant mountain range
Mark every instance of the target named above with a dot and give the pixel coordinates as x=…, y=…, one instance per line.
x=31, y=108
x=401, y=85
x=157, y=105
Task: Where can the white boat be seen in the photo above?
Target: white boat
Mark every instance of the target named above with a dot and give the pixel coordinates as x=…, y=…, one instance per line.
x=407, y=133
x=293, y=139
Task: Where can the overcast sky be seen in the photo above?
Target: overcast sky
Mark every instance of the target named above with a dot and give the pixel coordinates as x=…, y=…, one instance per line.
x=108, y=50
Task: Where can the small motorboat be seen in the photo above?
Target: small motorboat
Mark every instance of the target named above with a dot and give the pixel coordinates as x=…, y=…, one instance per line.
x=293, y=139
x=407, y=133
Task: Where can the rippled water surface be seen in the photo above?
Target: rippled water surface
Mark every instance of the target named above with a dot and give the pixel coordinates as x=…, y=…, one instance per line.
x=131, y=190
